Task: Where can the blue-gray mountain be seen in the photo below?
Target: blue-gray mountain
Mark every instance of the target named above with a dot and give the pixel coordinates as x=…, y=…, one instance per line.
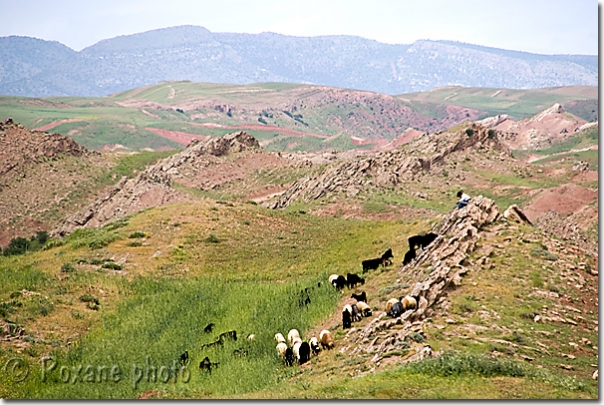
x=37, y=68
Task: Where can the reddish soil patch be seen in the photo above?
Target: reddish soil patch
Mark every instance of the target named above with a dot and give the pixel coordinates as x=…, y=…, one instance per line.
x=182, y=138
x=7, y=231
x=406, y=137
x=566, y=199
x=259, y=127
x=55, y=124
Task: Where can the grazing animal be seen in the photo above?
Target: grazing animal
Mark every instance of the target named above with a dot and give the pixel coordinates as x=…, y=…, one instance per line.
x=281, y=349
x=388, y=255
x=390, y=303
x=293, y=333
x=207, y=365
x=352, y=280
x=184, y=358
x=326, y=339
x=240, y=352
x=279, y=338
x=362, y=297
x=409, y=256
x=227, y=335
x=364, y=308
x=319, y=284
x=314, y=345
x=303, y=352
x=208, y=328
x=356, y=314
x=251, y=336
x=346, y=318
x=339, y=282
x=289, y=356
x=396, y=310
x=421, y=240
x=409, y=302
x=332, y=279
x=296, y=349
x=296, y=340
x=371, y=264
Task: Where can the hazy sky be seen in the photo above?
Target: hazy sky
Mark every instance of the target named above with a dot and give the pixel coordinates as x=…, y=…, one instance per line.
x=538, y=26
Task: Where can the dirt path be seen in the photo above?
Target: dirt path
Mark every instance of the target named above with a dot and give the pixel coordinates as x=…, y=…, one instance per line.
x=534, y=158
x=55, y=124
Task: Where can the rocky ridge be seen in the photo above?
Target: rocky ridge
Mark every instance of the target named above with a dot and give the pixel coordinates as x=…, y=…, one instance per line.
x=389, y=168
x=458, y=233
x=153, y=186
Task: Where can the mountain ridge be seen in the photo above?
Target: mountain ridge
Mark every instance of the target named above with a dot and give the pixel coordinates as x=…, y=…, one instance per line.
x=197, y=54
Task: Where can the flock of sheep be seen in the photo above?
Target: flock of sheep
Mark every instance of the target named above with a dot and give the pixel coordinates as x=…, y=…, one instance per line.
x=294, y=349
x=299, y=350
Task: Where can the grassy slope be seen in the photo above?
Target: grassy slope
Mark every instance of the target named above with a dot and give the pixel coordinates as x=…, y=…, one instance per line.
x=242, y=267
x=516, y=103
x=103, y=121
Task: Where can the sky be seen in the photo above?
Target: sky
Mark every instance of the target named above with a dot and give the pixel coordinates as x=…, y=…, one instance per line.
x=536, y=26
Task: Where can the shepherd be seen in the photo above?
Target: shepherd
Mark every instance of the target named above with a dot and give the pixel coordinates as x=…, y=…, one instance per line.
x=464, y=199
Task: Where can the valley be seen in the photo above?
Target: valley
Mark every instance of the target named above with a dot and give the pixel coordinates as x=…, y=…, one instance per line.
x=174, y=206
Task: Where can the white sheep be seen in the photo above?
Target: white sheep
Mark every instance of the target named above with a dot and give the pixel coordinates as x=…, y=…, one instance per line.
x=281, y=349
x=409, y=303
x=293, y=333
x=390, y=303
x=296, y=348
x=333, y=278
x=279, y=338
x=326, y=339
x=364, y=308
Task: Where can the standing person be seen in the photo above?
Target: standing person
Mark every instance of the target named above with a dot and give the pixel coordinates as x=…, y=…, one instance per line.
x=464, y=199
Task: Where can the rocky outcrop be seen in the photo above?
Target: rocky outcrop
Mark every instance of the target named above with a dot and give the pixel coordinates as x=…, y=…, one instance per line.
x=19, y=147
x=152, y=187
x=446, y=260
x=388, y=168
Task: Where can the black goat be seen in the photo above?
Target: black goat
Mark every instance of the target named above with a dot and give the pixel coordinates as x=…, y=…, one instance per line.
x=352, y=280
x=396, y=310
x=409, y=256
x=388, y=254
x=184, y=358
x=289, y=356
x=421, y=240
x=346, y=320
x=208, y=328
x=340, y=282
x=207, y=365
x=304, y=352
x=232, y=335
x=359, y=297
x=240, y=353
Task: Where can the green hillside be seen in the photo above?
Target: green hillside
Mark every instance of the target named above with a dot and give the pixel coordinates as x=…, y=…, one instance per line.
x=518, y=104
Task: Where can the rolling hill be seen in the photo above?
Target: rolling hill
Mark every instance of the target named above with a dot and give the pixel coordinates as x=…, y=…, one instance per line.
x=283, y=117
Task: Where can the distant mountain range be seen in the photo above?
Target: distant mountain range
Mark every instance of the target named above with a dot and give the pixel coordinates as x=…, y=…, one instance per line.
x=37, y=68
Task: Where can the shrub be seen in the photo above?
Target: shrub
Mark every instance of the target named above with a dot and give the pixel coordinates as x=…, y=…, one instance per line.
x=539, y=252
x=469, y=132
x=137, y=234
x=451, y=363
x=89, y=298
x=212, y=239
x=491, y=133
x=112, y=266
x=17, y=246
x=67, y=268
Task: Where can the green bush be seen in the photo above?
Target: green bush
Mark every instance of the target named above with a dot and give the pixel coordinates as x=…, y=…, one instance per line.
x=89, y=298
x=469, y=132
x=212, y=239
x=17, y=246
x=112, y=266
x=67, y=268
x=137, y=234
x=451, y=363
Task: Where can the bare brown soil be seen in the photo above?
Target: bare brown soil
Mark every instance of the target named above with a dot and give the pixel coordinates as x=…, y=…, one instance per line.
x=182, y=138
x=565, y=200
x=55, y=124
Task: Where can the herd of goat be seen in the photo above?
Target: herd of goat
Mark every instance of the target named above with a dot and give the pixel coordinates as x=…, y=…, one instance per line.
x=294, y=349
